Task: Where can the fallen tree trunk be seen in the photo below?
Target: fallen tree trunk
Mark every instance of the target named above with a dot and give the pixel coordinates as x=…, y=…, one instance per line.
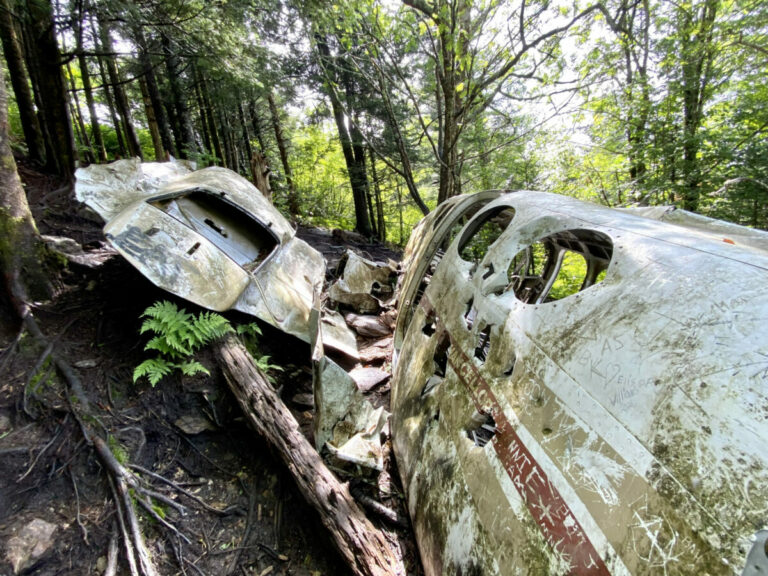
x=364, y=547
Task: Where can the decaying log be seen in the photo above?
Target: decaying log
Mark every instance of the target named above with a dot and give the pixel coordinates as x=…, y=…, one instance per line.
x=364, y=547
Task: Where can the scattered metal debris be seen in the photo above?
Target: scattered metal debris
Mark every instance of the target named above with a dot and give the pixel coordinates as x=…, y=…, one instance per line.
x=211, y=237
x=580, y=390
x=346, y=423
x=364, y=285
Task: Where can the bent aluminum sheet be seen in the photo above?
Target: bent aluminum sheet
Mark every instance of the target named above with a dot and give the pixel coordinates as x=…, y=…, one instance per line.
x=207, y=236
x=620, y=429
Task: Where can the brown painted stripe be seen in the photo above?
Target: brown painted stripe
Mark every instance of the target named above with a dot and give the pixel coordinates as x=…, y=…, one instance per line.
x=556, y=521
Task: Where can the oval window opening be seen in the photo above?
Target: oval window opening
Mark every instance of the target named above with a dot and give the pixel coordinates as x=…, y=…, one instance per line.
x=483, y=232
x=559, y=265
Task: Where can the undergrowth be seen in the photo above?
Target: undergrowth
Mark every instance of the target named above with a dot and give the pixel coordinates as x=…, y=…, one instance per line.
x=179, y=335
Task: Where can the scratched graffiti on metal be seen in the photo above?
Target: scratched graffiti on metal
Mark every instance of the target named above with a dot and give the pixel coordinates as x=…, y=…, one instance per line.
x=580, y=390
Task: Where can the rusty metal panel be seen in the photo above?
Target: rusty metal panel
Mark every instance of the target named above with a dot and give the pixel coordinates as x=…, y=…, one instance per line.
x=617, y=429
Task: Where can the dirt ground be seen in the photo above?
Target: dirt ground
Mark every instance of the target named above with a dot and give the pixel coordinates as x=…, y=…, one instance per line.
x=247, y=517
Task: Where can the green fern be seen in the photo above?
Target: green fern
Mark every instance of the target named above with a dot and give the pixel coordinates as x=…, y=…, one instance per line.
x=178, y=336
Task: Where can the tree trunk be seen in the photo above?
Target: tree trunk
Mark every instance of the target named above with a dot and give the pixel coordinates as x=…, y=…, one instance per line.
x=204, y=127
x=123, y=109
x=405, y=160
x=361, y=172
x=85, y=76
x=21, y=250
x=179, y=101
x=697, y=55
x=225, y=144
x=256, y=123
x=154, y=130
x=244, y=126
x=153, y=91
x=52, y=92
x=365, y=548
x=363, y=225
x=77, y=113
x=123, y=151
x=293, y=199
x=210, y=117
x=14, y=56
x=260, y=173
x=381, y=224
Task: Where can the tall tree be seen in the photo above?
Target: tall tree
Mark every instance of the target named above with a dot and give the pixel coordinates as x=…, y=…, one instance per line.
x=696, y=29
x=21, y=250
x=335, y=76
x=118, y=89
x=51, y=91
x=293, y=200
x=474, y=62
x=14, y=57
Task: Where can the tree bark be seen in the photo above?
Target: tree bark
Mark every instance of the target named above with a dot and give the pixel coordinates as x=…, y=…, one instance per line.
x=154, y=130
x=361, y=544
x=21, y=250
x=697, y=54
x=85, y=76
x=14, y=56
x=256, y=123
x=179, y=101
x=214, y=134
x=77, y=114
x=153, y=91
x=225, y=143
x=204, y=128
x=123, y=109
x=293, y=199
x=52, y=92
x=123, y=150
x=405, y=160
x=260, y=173
x=381, y=224
x=244, y=127
x=363, y=225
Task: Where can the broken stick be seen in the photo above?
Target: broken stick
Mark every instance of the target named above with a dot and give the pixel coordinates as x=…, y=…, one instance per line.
x=364, y=547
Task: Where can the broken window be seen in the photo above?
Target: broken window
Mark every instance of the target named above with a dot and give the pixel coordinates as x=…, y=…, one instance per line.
x=483, y=232
x=240, y=236
x=559, y=265
x=441, y=245
x=482, y=429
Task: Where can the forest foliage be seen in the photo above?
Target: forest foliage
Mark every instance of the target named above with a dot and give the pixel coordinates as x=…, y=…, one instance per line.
x=369, y=113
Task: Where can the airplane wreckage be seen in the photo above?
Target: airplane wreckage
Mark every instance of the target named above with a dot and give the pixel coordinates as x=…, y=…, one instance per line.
x=575, y=390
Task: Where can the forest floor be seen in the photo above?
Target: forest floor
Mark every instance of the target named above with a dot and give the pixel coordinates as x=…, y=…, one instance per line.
x=188, y=430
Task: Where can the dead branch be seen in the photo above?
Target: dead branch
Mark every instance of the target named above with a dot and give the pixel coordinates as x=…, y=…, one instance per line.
x=135, y=549
x=364, y=547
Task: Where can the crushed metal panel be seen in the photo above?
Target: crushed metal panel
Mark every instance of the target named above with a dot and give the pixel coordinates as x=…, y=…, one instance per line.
x=345, y=422
x=364, y=285
x=618, y=427
x=207, y=236
x=109, y=188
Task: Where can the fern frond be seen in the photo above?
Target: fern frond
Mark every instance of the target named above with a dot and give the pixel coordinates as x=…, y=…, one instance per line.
x=211, y=326
x=155, y=369
x=251, y=329
x=177, y=336
x=160, y=343
x=192, y=367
